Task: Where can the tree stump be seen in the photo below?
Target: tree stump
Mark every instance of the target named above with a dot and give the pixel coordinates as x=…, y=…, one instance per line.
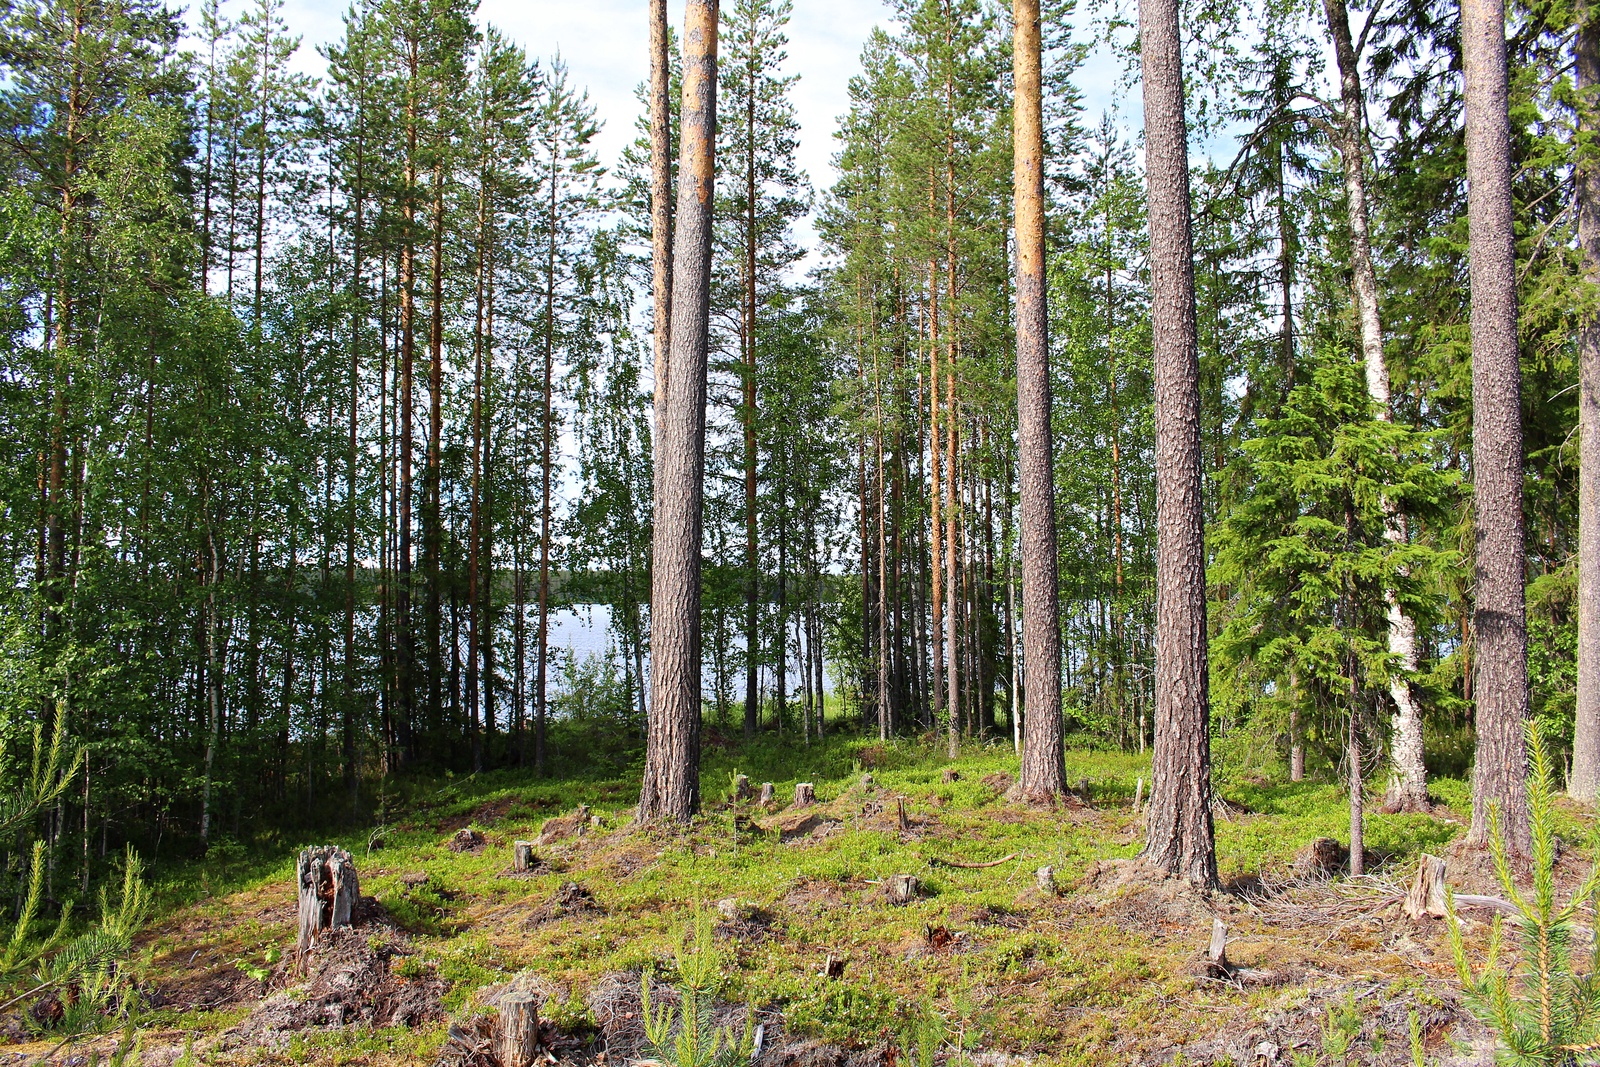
x=900, y=814
x=866, y=781
x=516, y=1038
x=1045, y=878
x=741, y=787
x=329, y=890
x=903, y=888
x=804, y=794
x=766, y=792
x=1217, y=951
x=1138, y=795
x=951, y=775
x=1426, y=895
x=833, y=967
x=522, y=857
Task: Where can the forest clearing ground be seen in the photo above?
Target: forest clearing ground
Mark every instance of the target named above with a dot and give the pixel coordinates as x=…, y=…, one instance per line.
x=1107, y=971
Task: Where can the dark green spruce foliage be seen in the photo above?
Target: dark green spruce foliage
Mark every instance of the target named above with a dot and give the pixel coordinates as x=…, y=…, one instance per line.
x=1305, y=551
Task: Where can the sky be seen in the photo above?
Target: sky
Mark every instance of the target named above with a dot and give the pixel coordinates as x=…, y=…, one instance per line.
x=605, y=46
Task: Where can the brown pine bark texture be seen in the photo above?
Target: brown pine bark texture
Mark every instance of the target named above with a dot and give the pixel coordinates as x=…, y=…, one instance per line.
x=1500, y=775
x=672, y=773
x=1181, y=837
x=1043, y=774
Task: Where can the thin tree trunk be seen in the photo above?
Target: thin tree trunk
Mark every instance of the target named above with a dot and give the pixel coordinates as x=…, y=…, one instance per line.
x=475, y=506
x=747, y=411
x=935, y=486
x=1043, y=774
x=405, y=661
x=660, y=240
x=432, y=518
x=1500, y=621
x=671, y=787
x=347, y=719
x=1584, y=780
x=1181, y=839
x=546, y=489
x=660, y=212
x=1408, y=786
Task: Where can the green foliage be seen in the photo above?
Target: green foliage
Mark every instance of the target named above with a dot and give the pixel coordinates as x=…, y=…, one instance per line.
x=689, y=1036
x=87, y=974
x=1540, y=1008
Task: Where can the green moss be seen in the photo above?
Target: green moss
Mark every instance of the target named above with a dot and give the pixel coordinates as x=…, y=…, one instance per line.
x=1060, y=984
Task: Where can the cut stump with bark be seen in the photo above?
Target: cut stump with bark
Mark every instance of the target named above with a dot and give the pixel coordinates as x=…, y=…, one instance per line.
x=804, y=794
x=1045, y=879
x=1426, y=895
x=741, y=788
x=900, y=814
x=522, y=857
x=516, y=1038
x=767, y=792
x=903, y=888
x=328, y=889
x=951, y=775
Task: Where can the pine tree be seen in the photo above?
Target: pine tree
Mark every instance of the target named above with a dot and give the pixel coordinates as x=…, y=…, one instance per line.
x=1043, y=772
x=671, y=778
x=1180, y=835
x=1499, y=613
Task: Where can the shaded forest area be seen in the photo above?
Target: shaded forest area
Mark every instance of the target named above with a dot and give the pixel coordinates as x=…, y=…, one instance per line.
x=323, y=398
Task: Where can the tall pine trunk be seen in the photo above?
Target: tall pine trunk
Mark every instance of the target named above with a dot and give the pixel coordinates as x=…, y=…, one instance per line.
x=671, y=787
x=546, y=464
x=432, y=517
x=747, y=413
x=1584, y=783
x=1043, y=774
x=406, y=660
x=1181, y=839
x=1499, y=614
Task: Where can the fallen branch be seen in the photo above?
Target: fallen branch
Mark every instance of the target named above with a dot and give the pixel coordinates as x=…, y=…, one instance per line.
x=938, y=862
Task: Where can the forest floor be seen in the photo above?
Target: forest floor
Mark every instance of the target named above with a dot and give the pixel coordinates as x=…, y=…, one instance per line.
x=1110, y=969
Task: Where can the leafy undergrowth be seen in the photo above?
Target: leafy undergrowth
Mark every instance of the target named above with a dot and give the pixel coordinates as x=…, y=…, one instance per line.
x=1110, y=970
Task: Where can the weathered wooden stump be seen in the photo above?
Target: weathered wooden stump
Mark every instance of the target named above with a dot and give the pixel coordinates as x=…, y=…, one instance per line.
x=1045, y=879
x=741, y=788
x=902, y=888
x=516, y=1039
x=522, y=857
x=833, y=967
x=1217, y=951
x=1213, y=962
x=900, y=814
x=1426, y=895
x=804, y=793
x=329, y=890
x=1138, y=795
x=867, y=781
x=767, y=792
x=951, y=775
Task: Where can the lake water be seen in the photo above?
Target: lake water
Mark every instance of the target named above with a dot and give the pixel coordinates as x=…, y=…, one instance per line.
x=585, y=630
